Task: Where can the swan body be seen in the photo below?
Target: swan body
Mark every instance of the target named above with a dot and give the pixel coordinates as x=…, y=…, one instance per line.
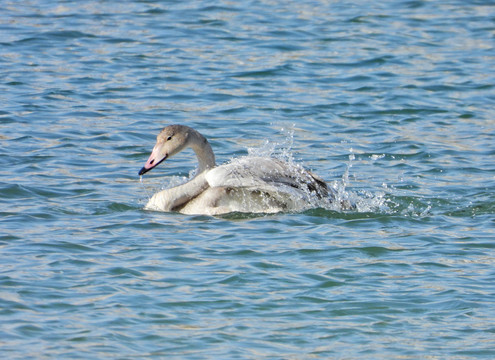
x=248, y=184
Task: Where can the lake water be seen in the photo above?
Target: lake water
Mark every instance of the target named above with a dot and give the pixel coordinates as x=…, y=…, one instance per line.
x=391, y=102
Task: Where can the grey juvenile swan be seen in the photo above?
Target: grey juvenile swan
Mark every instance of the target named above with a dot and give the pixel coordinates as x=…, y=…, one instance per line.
x=247, y=184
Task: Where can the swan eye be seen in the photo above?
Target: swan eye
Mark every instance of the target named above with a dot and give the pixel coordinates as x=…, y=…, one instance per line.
x=169, y=138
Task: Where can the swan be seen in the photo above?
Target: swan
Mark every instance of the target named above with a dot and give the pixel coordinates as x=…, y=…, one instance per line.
x=247, y=184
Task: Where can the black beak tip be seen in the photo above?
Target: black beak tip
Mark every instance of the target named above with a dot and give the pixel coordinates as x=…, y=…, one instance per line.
x=143, y=171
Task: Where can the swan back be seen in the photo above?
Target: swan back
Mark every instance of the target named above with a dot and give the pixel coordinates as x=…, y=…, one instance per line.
x=265, y=173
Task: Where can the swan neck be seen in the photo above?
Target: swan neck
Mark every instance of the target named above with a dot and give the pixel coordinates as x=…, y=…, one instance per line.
x=202, y=148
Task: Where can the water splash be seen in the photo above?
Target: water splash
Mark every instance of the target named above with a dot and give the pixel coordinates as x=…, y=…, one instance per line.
x=341, y=198
x=281, y=150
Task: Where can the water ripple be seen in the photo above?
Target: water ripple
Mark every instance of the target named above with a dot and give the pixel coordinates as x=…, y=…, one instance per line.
x=391, y=103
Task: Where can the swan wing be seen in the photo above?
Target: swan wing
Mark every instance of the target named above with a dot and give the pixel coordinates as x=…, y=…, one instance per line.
x=265, y=174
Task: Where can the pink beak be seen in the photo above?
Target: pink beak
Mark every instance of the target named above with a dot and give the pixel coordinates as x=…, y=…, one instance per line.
x=153, y=161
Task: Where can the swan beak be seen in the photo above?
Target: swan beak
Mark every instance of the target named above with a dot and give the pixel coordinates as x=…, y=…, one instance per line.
x=154, y=160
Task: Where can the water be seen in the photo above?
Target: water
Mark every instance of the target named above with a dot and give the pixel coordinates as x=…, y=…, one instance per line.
x=391, y=102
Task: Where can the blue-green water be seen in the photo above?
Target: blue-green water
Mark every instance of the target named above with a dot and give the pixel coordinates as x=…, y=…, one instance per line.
x=392, y=102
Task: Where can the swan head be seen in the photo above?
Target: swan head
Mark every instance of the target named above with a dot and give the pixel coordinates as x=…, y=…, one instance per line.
x=170, y=141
